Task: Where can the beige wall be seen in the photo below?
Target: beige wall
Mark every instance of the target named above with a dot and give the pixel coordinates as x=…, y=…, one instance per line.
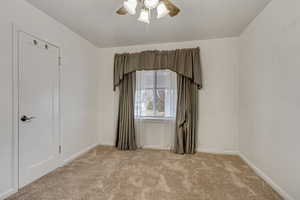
x=269, y=97
x=218, y=98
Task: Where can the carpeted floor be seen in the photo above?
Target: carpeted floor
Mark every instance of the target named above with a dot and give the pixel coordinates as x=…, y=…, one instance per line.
x=107, y=174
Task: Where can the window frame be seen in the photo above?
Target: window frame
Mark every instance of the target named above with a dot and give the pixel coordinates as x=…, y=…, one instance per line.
x=155, y=88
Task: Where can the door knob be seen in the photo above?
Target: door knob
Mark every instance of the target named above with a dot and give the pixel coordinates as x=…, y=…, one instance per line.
x=24, y=118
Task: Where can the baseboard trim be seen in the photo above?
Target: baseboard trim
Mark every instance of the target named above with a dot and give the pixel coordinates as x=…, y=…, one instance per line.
x=76, y=155
x=218, y=152
x=106, y=145
x=155, y=147
x=7, y=194
x=200, y=150
x=266, y=178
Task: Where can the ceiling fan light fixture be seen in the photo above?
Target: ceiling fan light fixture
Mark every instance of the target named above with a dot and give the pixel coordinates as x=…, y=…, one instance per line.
x=144, y=16
x=162, y=10
x=151, y=4
x=161, y=7
x=130, y=6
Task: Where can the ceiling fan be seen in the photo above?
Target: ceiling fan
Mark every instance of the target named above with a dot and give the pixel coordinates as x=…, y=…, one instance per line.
x=162, y=7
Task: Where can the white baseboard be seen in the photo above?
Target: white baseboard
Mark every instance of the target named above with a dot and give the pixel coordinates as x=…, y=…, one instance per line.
x=7, y=194
x=216, y=151
x=107, y=144
x=266, y=178
x=155, y=147
x=200, y=150
x=76, y=155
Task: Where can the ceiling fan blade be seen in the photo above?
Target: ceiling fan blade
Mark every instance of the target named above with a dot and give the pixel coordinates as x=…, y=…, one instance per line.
x=174, y=10
x=122, y=11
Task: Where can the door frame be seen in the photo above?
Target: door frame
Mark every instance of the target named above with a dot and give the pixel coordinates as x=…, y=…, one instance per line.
x=15, y=104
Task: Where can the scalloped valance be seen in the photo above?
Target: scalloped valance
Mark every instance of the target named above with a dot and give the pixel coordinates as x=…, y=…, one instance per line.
x=185, y=62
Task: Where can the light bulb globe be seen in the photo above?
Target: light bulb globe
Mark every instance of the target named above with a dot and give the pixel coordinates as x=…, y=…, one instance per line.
x=130, y=6
x=151, y=4
x=144, y=16
x=162, y=10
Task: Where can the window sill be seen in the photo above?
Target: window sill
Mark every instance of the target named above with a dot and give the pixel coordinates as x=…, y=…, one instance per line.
x=155, y=119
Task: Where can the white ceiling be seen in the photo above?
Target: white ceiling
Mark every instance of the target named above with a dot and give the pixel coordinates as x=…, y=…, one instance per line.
x=96, y=20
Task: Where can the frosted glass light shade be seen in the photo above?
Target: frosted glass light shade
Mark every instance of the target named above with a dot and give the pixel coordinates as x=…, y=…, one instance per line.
x=162, y=10
x=151, y=4
x=130, y=6
x=144, y=16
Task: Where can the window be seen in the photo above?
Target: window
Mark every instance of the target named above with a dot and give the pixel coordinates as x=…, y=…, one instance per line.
x=155, y=94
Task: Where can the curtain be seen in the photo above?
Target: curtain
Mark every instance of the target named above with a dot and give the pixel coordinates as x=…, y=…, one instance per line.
x=186, y=116
x=162, y=112
x=185, y=62
x=126, y=139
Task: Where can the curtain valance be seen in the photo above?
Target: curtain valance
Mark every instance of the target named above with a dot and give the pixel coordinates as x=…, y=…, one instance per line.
x=185, y=62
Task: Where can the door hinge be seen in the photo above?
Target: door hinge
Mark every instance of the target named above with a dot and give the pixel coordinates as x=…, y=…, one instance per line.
x=59, y=61
x=59, y=149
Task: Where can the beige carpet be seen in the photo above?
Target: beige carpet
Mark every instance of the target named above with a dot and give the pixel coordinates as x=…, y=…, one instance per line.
x=107, y=174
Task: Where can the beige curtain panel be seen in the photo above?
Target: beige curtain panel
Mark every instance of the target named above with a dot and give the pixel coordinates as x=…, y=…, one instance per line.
x=126, y=139
x=186, y=116
x=185, y=62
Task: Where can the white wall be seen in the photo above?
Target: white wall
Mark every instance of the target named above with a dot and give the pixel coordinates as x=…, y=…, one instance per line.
x=218, y=98
x=79, y=83
x=270, y=96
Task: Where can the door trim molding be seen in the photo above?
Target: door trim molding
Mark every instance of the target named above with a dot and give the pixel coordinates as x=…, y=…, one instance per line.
x=15, y=104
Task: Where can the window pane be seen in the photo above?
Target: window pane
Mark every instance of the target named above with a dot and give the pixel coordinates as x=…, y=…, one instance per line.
x=147, y=80
x=160, y=102
x=163, y=78
x=147, y=103
x=170, y=102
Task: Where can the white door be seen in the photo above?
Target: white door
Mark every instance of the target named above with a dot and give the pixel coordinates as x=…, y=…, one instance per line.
x=39, y=139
